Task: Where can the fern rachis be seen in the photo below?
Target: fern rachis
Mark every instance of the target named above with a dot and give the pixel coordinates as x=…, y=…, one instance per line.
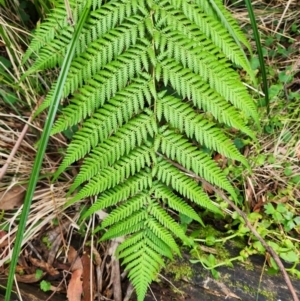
x=152, y=84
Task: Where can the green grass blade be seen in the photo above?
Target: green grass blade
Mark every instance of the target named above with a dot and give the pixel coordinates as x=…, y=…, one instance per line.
x=42, y=148
x=260, y=52
x=6, y=39
x=232, y=32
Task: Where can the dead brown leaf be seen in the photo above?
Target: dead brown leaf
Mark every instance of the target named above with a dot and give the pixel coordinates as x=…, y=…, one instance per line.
x=75, y=290
x=206, y=188
x=12, y=198
x=75, y=286
x=5, y=242
x=74, y=260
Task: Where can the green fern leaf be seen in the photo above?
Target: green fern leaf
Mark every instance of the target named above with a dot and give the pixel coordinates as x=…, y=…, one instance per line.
x=212, y=69
x=103, y=86
x=130, y=225
x=183, y=117
x=180, y=149
x=164, y=218
x=151, y=240
x=122, y=192
x=192, y=86
x=219, y=11
x=127, y=138
x=52, y=28
x=175, y=202
x=150, y=86
x=109, y=177
x=157, y=244
x=124, y=140
x=143, y=271
x=100, y=21
x=208, y=25
x=187, y=187
x=163, y=234
x=125, y=210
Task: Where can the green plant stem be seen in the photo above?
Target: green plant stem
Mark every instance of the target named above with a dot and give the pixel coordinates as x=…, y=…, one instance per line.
x=42, y=148
x=260, y=278
x=260, y=52
x=218, y=240
x=240, y=258
x=219, y=264
x=233, y=34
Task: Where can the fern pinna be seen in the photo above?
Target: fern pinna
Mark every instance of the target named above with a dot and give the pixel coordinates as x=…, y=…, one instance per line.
x=151, y=85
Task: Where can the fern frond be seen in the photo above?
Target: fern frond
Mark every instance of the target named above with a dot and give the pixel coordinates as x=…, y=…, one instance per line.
x=126, y=209
x=143, y=270
x=56, y=23
x=150, y=252
x=103, y=86
x=192, y=86
x=111, y=176
x=53, y=53
x=163, y=234
x=163, y=192
x=157, y=244
x=165, y=219
x=133, y=134
x=122, y=192
x=104, y=50
x=181, y=116
x=151, y=240
x=206, y=24
x=224, y=19
x=130, y=225
x=180, y=149
x=187, y=187
x=142, y=252
x=51, y=50
x=218, y=10
x=217, y=72
x=97, y=129
x=131, y=241
x=97, y=54
x=151, y=85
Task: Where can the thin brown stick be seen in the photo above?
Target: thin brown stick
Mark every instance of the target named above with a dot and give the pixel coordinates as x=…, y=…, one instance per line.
x=248, y=224
x=18, y=143
x=14, y=150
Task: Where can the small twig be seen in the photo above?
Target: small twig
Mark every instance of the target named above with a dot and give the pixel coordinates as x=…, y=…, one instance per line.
x=69, y=13
x=18, y=143
x=115, y=279
x=130, y=290
x=35, y=251
x=248, y=224
x=152, y=293
x=260, y=278
x=282, y=16
x=14, y=150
